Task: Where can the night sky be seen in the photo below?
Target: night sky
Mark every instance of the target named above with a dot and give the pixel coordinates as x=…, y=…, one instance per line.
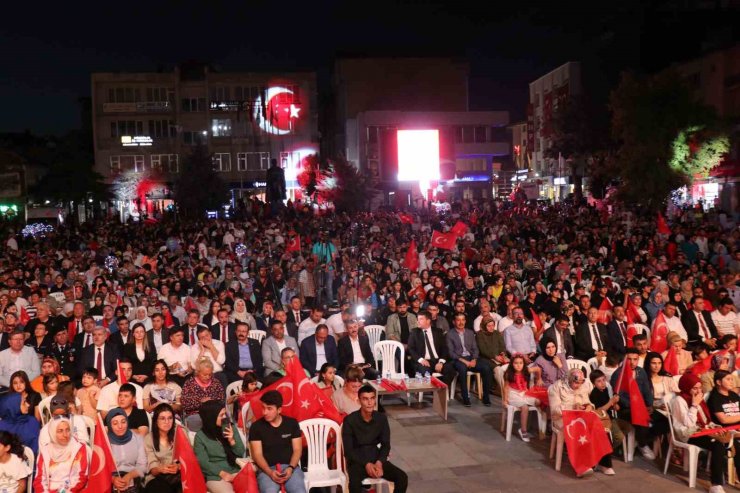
x=48, y=50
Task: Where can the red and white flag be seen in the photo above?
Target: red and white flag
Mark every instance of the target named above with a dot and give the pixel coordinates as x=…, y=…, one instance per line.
x=658, y=337
x=663, y=225
x=585, y=439
x=190, y=473
x=460, y=228
x=293, y=244
x=102, y=465
x=246, y=481
x=670, y=364
x=121, y=376
x=445, y=241
x=405, y=218
x=605, y=311
x=411, y=261
x=638, y=409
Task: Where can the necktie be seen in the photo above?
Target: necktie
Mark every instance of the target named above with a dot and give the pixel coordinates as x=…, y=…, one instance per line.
x=79, y=327
x=297, y=315
x=87, y=340
x=621, y=330
x=192, y=336
x=596, y=336
x=432, y=355
x=703, y=326
x=223, y=334
x=99, y=363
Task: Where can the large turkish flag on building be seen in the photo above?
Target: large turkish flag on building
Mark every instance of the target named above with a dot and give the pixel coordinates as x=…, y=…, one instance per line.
x=585, y=439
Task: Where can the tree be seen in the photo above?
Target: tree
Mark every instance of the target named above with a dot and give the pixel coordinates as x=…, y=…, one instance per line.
x=349, y=189
x=198, y=187
x=665, y=137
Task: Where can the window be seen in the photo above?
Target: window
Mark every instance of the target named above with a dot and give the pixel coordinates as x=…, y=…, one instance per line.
x=221, y=127
x=252, y=161
x=124, y=95
x=222, y=162
x=162, y=129
x=159, y=94
x=115, y=164
x=133, y=128
x=372, y=134
x=479, y=135
x=127, y=162
x=195, y=138
x=193, y=104
x=220, y=93
x=471, y=164
x=165, y=162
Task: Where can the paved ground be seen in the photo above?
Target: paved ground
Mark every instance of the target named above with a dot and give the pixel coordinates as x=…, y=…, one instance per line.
x=470, y=454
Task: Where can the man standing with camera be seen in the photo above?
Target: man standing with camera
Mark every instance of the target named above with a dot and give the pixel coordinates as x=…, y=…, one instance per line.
x=324, y=252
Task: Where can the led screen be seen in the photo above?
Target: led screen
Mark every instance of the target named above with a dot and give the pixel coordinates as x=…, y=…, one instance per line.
x=418, y=155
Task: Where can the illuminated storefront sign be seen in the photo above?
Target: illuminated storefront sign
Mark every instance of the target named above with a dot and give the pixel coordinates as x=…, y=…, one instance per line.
x=137, y=141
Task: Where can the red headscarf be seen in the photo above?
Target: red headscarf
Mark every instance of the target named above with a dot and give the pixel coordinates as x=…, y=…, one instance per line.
x=687, y=382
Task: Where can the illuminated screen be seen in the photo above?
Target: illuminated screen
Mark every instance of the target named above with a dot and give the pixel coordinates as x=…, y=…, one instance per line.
x=418, y=155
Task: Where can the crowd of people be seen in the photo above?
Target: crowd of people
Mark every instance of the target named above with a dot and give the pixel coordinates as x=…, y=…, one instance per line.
x=147, y=324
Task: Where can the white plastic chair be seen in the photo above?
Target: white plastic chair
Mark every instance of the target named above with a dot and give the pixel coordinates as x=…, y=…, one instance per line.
x=373, y=333
x=690, y=456
x=257, y=335
x=233, y=388
x=339, y=381
x=30, y=460
x=593, y=363
x=318, y=474
x=581, y=365
x=508, y=411
x=385, y=352
x=44, y=410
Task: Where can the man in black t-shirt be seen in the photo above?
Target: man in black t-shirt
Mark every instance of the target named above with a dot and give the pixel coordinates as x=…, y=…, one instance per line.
x=276, y=446
x=367, y=442
x=138, y=421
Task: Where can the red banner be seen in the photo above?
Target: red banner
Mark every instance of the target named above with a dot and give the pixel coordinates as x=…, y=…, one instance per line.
x=585, y=439
x=190, y=471
x=445, y=241
x=411, y=261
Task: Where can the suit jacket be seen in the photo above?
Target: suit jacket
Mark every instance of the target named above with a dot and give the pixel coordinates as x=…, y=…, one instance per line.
x=117, y=340
x=110, y=360
x=65, y=357
x=308, y=353
x=263, y=323
x=271, y=352
x=216, y=331
x=455, y=346
x=232, y=358
x=150, y=338
x=4, y=341
x=616, y=341
x=79, y=342
x=291, y=324
x=393, y=326
x=584, y=349
x=570, y=348
x=417, y=346
x=691, y=324
x=346, y=355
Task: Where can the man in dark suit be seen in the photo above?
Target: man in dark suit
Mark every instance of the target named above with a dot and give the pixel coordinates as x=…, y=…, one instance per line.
x=580, y=316
x=699, y=325
x=617, y=332
x=295, y=316
x=223, y=330
x=63, y=352
x=348, y=353
x=427, y=350
x=319, y=349
x=561, y=335
x=464, y=354
x=159, y=335
x=121, y=338
x=99, y=355
x=85, y=338
x=591, y=337
x=242, y=355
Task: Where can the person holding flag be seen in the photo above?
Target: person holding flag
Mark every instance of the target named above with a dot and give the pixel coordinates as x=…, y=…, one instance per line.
x=63, y=462
x=675, y=357
x=217, y=445
x=635, y=399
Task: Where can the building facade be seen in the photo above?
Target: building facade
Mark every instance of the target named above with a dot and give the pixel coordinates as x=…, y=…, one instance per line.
x=145, y=124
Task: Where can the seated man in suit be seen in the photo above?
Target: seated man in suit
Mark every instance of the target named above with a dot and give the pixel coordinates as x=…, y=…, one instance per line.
x=274, y=344
x=428, y=351
x=355, y=348
x=243, y=354
x=319, y=349
x=591, y=339
x=101, y=355
x=223, y=330
x=617, y=331
x=159, y=335
x=294, y=316
x=560, y=333
x=464, y=354
x=699, y=324
x=120, y=338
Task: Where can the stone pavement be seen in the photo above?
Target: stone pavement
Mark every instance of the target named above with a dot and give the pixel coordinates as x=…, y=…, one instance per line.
x=469, y=454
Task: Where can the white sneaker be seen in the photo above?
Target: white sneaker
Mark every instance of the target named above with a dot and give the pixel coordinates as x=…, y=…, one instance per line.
x=647, y=452
x=716, y=489
x=607, y=470
x=524, y=436
x=588, y=471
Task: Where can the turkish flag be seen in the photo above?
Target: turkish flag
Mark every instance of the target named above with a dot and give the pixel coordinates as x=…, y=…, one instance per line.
x=190, y=472
x=536, y=320
x=406, y=218
x=638, y=410
x=701, y=367
x=24, y=318
x=658, y=341
x=585, y=439
x=445, y=241
x=670, y=363
x=605, y=311
x=302, y=399
x=663, y=226
x=460, y=228
x=190, y=304
x=72, y=329
x=631, y=332
x=411, y=261
x=463, y=270
x=474, y=218
x=102, y=465
x=633, y=316
x=121, y=377
x=246, y=481
x=293, y=244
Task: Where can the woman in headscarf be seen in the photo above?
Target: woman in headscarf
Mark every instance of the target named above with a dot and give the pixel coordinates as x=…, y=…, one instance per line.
x=549, y=366
x=62, y=464
x=15, y=417
x=570, y=394
x=217, y=446
x=240, y=314
x=141, y=316
x=655, y=305
x=691, y=414
x=128, y=452
x=719, y=361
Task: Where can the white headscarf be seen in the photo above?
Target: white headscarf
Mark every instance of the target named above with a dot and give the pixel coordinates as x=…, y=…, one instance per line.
x=56, y=452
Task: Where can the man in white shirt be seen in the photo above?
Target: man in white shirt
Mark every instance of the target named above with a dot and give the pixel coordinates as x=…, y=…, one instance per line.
x=336, y=322
x=18, y=357
x=726, y=319
x=108, y=397
x=212, y=349
x=176, y=355
x=485, y=311
x=673, y=322
x=508, y=320
x=308, y=326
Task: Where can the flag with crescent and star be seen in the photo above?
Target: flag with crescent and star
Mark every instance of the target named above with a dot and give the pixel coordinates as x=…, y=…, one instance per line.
x=406, y=218
x=585, y=439
x=658, y=338
x=411, y=260
x=605, y=311
x=246, y=481
x=445, y=241
x=459, y=229
x=294, y=242
x=639, y=414
x=102, y=465
x=190, y=472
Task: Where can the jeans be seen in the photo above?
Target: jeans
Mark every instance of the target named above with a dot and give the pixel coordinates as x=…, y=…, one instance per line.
x=293, y=485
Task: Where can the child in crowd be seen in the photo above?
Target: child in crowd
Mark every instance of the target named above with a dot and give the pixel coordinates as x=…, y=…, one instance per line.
x=88, y=394
x=249, y=390
x=327, y=381
x=14, y=470
x=516, y=383
x=605, y=404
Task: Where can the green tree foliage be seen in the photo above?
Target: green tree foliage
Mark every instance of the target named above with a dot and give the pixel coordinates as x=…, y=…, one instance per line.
x=349, y=189
x=198, y=187
x=649, y=114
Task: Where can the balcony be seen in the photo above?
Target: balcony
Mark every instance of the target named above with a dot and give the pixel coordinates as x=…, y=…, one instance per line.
x=140, y=107
x=483, y=148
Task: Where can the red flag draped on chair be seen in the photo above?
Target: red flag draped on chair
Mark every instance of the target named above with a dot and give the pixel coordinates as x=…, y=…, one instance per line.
x=459, y=229
x=246, y=481
x=445, y=241
x=658, y=340
x=638, y=410
x=585, y=439
x=411, y=261
x=102, y=465
x=190, y=472
x=605, y=311
x=663, y=226
x=406, y=218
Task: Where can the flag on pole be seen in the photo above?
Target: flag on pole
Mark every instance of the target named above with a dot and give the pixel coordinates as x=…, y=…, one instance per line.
x=605, y=311
x=658, y=337
x=411, y=261
x=190, y=473
x=102, y=465
x=445, y=241
x=406, y=218
x=121, y=376
x=585, y=439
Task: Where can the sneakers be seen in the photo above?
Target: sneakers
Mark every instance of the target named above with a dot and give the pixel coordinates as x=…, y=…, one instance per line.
x=716, y=488
x=524, y=436
x=607, y=470
x=466, y=402
x=647, y=452
x=589, y=471
x=487, y=403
